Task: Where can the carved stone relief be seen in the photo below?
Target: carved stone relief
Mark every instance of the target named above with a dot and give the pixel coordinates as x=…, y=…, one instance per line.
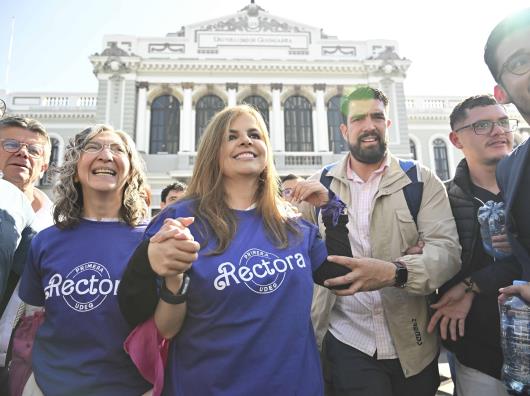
x=339, y=50
x=166, y=48
x=252, y=21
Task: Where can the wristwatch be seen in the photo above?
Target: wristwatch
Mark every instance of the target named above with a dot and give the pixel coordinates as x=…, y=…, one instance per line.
x=470, y=285
x=402, y=274
x=180, y=297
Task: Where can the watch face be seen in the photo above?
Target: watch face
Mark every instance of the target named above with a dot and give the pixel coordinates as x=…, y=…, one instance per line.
x=401, y=275
x=185, y=285
x=178, y=298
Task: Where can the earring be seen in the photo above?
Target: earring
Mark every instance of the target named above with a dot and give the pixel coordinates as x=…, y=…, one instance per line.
x=263, y=176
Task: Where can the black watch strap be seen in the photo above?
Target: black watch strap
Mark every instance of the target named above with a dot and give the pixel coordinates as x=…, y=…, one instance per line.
x=169, y=297
x=402, y=274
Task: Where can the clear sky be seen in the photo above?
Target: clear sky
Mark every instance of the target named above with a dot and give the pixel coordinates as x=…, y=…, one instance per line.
x=444, y=39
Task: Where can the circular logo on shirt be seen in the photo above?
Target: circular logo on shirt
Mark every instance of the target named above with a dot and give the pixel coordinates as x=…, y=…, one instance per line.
x=87, y=286
x=267, y=270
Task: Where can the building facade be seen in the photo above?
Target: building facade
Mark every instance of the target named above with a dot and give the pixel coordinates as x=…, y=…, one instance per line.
x=164, y=90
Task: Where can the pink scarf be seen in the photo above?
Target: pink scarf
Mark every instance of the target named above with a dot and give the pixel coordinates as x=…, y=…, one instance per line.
x=148, y=351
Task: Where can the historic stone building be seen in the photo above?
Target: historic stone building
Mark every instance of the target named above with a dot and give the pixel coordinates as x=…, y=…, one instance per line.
x=164, y=90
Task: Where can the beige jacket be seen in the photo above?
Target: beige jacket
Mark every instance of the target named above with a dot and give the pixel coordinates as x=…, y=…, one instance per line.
x=392, y=231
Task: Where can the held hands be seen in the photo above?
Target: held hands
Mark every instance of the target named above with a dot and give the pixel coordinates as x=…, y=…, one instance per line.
x=366, y=274
x=311, y=191
x=174, y=228
x=172, y=250
x=451, y=312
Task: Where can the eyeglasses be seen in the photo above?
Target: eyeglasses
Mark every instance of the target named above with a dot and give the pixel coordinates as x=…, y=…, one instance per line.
x=96, y=147
x=518, y=64
x=14, y=146
x=287, y=192
x=485, y=127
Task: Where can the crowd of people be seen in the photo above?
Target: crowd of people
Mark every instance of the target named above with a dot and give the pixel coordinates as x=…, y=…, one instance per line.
x=341, y=284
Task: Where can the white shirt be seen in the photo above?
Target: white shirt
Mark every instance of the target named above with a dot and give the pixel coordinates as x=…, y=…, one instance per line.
x=359, y=320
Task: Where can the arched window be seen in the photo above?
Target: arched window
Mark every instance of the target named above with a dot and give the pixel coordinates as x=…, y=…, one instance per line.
x=261, y=104
x=47, y=178
x=206, y=108
x=337, y=144
x=441, y=163
x=413, y=149
x=165, y=125
x=298, y=117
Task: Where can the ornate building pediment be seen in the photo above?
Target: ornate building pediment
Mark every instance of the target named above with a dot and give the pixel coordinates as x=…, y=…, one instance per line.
x=252, y=34
x=252, y=19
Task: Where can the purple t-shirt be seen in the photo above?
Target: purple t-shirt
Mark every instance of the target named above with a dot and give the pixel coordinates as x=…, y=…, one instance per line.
x=75, y=274
x=248, y=329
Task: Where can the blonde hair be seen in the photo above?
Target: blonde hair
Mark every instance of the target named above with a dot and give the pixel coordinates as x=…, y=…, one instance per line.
x=206, y=186
x=69, y=195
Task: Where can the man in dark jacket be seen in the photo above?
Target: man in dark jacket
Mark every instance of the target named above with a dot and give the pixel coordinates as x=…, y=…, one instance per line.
x=482, y=130
x=507, y=54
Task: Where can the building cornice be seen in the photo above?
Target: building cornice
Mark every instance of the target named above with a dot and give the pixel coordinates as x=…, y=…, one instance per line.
x=428, y=117
x=232, y=66
x=53, y=115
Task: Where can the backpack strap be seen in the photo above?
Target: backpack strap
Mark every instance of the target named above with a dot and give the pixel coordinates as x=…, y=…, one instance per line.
x=414, y=191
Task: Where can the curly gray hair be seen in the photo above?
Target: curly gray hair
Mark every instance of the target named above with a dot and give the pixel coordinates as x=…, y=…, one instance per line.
x=69, y=196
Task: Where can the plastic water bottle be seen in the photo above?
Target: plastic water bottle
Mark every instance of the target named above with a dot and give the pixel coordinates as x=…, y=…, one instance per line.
x=496, y=220
x=515, y=340
x=492, y=222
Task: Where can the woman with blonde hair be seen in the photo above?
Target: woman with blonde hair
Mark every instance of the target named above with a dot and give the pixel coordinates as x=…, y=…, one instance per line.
x=240, y=312
x=74, y=269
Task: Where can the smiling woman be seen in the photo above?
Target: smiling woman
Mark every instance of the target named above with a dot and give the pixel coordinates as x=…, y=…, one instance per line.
x=100, y=161
x=74, y=269
x=249, y=263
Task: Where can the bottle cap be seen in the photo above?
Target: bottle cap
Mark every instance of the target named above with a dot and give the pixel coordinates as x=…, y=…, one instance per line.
x=519, y=282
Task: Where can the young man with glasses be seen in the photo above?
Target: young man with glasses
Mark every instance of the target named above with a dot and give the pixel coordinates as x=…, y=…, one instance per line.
x=482, y=130
x=507, y=54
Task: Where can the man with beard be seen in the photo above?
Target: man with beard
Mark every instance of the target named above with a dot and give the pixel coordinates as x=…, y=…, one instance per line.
x=376, y=341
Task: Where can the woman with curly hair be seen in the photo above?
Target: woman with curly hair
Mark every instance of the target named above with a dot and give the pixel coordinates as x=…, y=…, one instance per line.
x=74, y=269
x=239, y=311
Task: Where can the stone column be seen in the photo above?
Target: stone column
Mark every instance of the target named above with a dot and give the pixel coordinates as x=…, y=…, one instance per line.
x=321, y=138
x=276, y=122
x=231, y=89
x=147, y=127
x=186, y=130
x=141, y=111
